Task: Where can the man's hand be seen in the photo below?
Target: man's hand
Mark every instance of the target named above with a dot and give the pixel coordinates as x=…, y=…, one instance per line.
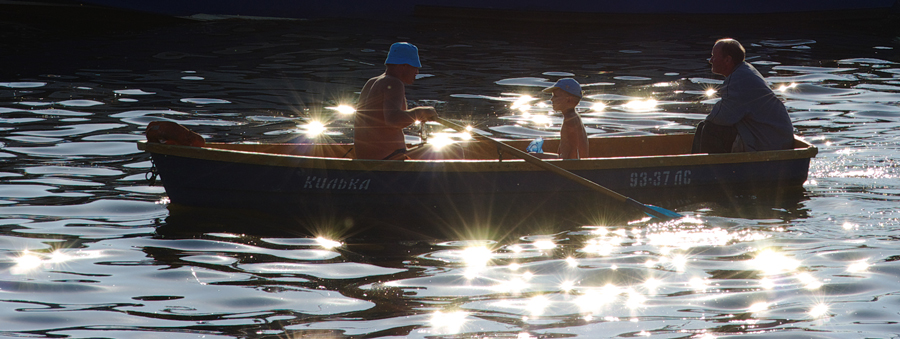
x=424, y=113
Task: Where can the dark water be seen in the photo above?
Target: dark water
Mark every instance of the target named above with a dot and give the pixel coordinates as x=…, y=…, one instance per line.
x=80, y=256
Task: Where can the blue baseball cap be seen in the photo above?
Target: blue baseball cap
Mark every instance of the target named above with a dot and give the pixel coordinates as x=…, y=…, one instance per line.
x=403, y=53
x=568, y=84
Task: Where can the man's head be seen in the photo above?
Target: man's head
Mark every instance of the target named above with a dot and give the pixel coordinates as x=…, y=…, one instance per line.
x=566, y=94
x=726, y=55
x=403, y=61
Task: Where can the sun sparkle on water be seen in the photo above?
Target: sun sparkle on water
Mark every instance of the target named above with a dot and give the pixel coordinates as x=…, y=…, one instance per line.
x=523, y=103
x=27, y=262
x=859, y=266
x=641, y=105
x=809, y=281
x=476, y=259
x=343, y=109
x=819, y=310
x=771, y=262
x=544, y=244
x=440, y=141
x=448, y=323
x=314, y=128
x=327, y=243
x=537, y=305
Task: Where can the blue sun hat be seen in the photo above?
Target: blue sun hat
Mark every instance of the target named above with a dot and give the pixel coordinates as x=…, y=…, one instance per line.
x=403, y=53
x=568, y=84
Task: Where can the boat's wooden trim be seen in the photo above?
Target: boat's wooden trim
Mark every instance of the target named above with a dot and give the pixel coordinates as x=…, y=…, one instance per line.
x=608, y=153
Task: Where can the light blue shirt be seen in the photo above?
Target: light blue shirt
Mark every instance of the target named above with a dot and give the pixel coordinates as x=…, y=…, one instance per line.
x=752, y=108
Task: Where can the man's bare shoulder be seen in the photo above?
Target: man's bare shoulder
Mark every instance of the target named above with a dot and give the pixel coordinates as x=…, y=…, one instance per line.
x=385, y=82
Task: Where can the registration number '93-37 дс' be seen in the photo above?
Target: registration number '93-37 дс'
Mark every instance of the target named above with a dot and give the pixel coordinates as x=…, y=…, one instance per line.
x=660, y=178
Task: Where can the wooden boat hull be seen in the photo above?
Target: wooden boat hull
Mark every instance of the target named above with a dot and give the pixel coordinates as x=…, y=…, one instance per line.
x=280, y=179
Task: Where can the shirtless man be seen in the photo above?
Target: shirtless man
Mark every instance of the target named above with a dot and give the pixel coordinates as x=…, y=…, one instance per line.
x=573, y=142
x=381, y=113
x=749, y=117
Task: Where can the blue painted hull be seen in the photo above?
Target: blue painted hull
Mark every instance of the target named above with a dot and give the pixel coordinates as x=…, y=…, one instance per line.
x=444, y=190
x=366, y=8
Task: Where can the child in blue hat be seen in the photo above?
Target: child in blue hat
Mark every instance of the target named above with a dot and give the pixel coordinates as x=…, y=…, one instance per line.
x=573, y=141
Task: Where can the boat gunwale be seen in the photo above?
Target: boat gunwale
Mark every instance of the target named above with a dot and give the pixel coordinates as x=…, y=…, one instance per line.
x=471, y=165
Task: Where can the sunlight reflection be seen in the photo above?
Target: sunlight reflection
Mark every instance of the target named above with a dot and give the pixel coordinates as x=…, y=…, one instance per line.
x=758, y=307
x=679, y=261
x=593, y=299
x=567, y=286
x=809, y=281
x=868, y=173
x=448, y=323
x=30, y=261
x=641, y=105
x=26, y=262
x=598, y=107
x=859, y=266
x=58, y=256
x=572, y=262
x=514, y=285
x=603, y=245
x=476, y=259
x=710, y=92
x=544, y=245
x=771, y=262
x=524, y=335
x=767, y=283
x=688, y=238
x=523, y=103
x=439, y=141
x=541, y=120
x=819, y=311
x=652, y=284
x=784, y=88
x=343, y=109
x=527, y=275
x=537, y=305
x=314, y=128
x=698, y=283
x=635, y=299
x=327, y=243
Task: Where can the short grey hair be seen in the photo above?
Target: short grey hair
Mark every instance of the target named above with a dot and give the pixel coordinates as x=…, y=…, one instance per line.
x=732, y=48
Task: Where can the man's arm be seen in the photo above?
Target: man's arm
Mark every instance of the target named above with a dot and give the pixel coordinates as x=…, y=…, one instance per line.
x=733, y=105
x=395, y=112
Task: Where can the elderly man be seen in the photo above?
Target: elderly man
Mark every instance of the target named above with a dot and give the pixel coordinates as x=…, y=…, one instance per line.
x=749, y=117
x=381, y=113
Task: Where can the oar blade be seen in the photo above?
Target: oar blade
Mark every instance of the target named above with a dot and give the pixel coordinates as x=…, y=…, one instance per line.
x=654, y=211
x=663, y=213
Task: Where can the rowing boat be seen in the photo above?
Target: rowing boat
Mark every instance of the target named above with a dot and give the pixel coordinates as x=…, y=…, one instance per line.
x=325, y=179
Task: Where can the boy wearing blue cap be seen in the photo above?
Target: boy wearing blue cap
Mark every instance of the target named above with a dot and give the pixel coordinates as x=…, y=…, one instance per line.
x=573, y=141
x=382, y=114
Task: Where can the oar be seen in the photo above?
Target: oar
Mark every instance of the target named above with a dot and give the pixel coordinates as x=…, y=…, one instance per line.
x=653, y=211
